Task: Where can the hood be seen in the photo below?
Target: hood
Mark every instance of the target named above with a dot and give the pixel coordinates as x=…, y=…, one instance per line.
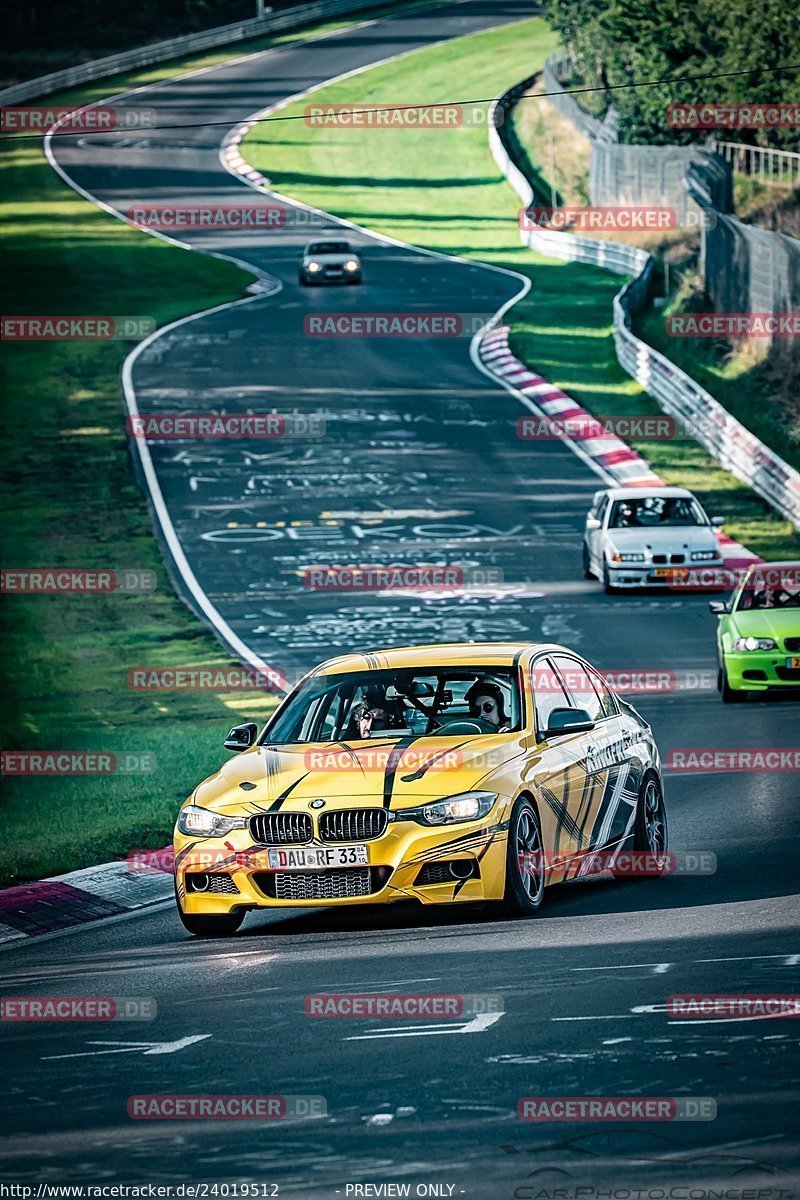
x=777, y=623
x=674, y=537
x=404, y=772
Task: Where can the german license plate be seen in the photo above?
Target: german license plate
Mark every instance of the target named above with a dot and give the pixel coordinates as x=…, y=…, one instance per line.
x=669, y=572
x=793, y=664
x=315, y=858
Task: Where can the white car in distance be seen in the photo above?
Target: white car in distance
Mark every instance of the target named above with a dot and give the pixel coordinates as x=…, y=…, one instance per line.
x=647, y=537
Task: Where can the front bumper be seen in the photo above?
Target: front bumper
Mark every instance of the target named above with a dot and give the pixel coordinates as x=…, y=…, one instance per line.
x=760, y=671
x=331, y=277
x=396, y=861
x=643, y=575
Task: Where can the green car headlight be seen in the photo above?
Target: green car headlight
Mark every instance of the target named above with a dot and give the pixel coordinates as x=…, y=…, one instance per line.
x=205, y=823
x=754, y=643
x=467, y=806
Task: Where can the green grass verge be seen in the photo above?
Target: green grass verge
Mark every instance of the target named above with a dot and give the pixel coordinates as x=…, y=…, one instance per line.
x=440, y=189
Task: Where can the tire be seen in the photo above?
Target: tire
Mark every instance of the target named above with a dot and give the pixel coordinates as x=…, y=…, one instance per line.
x=650, y=828
x=588, y=573
x=524, y=888
x=729, y=695
x=608, y=586
x=223, y=925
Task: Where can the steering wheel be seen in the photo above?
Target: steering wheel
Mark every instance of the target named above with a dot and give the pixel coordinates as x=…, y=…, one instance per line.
x=461, y=725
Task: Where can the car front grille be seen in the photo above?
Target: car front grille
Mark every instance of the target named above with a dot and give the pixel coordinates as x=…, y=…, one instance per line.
x=347, y=883
x=792, y=644
x=788, y=674
x=677, y=558
x=281, y=829
x=659, y=559
x=353, y=825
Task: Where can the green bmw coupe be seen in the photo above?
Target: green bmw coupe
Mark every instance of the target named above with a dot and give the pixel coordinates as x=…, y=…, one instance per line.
x=758, y=633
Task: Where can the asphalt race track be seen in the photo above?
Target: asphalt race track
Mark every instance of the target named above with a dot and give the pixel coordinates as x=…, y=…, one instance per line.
x=420, y=463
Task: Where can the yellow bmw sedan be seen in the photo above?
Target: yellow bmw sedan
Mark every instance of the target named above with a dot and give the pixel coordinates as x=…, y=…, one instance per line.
x=443, y=774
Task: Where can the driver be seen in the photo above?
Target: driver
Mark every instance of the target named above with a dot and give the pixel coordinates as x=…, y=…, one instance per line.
x=487, y=706
x=376, y=712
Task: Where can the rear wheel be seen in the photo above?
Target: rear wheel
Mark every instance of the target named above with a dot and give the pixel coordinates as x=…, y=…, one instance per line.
x=524, y=860
x=650, y=832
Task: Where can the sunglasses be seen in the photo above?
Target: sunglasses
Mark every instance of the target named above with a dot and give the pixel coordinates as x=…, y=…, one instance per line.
x=487, y=706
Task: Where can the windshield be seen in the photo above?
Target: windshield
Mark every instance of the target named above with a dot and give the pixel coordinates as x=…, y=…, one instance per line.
x=359, y=705
x=771, y=588
x=658, y=511
x=328, y=248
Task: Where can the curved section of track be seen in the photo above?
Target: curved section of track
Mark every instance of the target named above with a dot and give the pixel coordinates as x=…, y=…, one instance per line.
x=420, y=463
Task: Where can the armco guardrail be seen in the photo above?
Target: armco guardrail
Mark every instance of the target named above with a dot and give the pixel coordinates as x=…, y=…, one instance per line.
x=206, y=39
x=733, y=446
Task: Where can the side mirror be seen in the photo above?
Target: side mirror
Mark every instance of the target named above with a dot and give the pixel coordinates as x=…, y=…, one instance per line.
x=717, y=521
x=241, y=737
x=718, y=606
x=592, y=523
x=568, y=720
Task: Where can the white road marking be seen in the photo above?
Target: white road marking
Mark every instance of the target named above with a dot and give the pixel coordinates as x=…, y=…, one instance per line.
x=478, y=1024
x=133, y=1048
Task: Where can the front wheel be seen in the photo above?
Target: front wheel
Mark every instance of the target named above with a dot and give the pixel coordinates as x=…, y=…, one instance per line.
x=524, y=860
x=223, y=925
x=608, y=586
x=588, y=573
x=729, y=695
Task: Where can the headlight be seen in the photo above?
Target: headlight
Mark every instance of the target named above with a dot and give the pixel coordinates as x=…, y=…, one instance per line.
x=704, y=555
x=468, y=806
x=627, y=556
x=351, y=265
x=194, y=819
x=314, y=267
x=752, y=643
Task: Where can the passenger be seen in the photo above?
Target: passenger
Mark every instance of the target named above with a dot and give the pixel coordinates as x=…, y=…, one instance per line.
x=375, y=712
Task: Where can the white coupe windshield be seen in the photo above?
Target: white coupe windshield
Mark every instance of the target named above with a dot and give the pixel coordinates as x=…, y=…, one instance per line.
x=656, y=511
x=399, y=703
